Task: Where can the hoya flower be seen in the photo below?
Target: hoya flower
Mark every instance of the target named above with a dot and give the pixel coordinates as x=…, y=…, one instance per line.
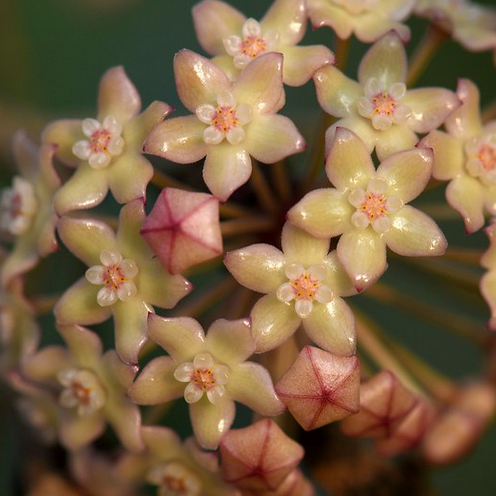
x=182, y=468
x=232, y=122
x=183, y=229
x=303, y=284
x=368, y=207
x=123, y=280
x=471, y=24
x=106, y=151
x=89, y=387
x=465, y=155
x=367, y=19
x=26, y=212
x=378, y=107
x=235, y=41
x=210, y=371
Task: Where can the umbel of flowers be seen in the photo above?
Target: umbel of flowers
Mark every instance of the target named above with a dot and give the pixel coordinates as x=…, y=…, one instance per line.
x=208, y=326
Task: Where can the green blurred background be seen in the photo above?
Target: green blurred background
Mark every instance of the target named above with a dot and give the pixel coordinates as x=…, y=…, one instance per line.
x=52, y=56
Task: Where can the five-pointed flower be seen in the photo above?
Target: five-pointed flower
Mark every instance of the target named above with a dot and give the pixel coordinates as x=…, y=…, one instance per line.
x=209, y=371
x=107, y=151
x=26, y=212
x=472, y=24
x=90, y=389
x=303, y=285
x=235, y=41
x=465, y=155
x=368, y=207
x=123, y=278
x=378, y=107
x=367, y=19
x=232, y=121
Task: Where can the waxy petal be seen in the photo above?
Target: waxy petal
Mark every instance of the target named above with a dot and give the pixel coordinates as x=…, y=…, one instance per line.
x=288, y=18
x=385, y=60
x=348, y=164
x=84, y=345
x=63, y=134
x=466, y=195
x=363, y=255
x=198, y=80
x=156, y=383
x=183, y=337
x=220, y=338
x=465, y=121
x=414, y=234
x=179, y=139
x=272, y=322
x=332, y=327
x=117, y=96
x=213, y=21
x=251, y=385
x=449, y=156
x=371, y=28
x=260, y=84
x=226, y=168
x=211, y=422
x=430, y=107
x=407, y=173
x=337, y=94
x=301, y=62
x=324, y=213
x=78, y=305
x=86, y=188
x=76, y=431
x=258, y=267
x=299, y=247
x=86, y=238
x=393, y=140
x=273, y=137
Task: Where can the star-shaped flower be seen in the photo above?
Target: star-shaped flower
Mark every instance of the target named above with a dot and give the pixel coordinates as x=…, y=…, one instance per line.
x=235, y=41
x=26, y=211
x=303, y=284
x=232, y=121
x=465, y=156
x=368, y=208
x=107, y=151
x=378, y=107
x=367, y=19
x=89, y=387
x=471, y=24
x=209, y=371
x=124, y=279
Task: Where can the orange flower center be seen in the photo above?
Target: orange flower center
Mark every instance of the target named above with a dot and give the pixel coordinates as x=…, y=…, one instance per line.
x=487, y=157
x=225, y=118
x=99, y=141
x=252, y=46
x=374, y=206
x=305, y=286
x=383, y=104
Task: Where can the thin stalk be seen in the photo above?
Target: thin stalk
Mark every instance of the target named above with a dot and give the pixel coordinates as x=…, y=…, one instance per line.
x=262, y=189
x=454, y=323
x=246, y=225
x=463, y=255
x=342, y=51
x=424, y=53
x=202, y=301
x=281, y=181
x=489, y=112
x=162, y=180
x=373, y=346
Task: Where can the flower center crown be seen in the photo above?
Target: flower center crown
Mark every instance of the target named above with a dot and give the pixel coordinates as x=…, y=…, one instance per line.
x=250, y=44
x=203, y=375
x=116, y=275
x=374, y=206
x=481, y=157
x=175, y=479
x=381, y=105
x=104, y=142
x=304, y=287
x=225, y=121
x=17, y=206
x=82, y=390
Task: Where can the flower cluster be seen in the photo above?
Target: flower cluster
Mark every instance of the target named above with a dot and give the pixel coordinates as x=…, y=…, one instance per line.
x=187, y=299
